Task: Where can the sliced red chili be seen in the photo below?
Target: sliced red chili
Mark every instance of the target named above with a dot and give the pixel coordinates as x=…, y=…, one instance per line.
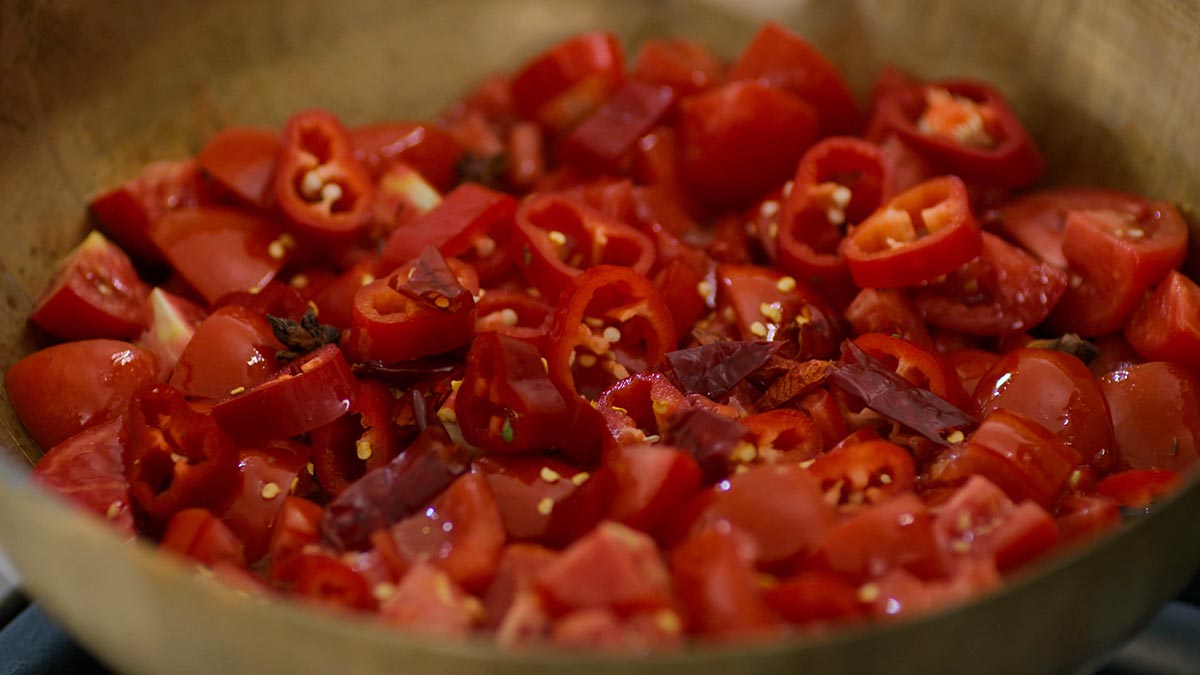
x=562, y=85
x=604, y=141
x=310, y=392
x=319, y=185
x=916, y=237
x=610, y=322
x=547, y=501
x=515, y=314
x=863, y=473
x=888, y=311
x=465, y=215
x=394, y=321
x=178, y=458
x=920, y=366
x=556, y=238
x=964, y=127
x=365, y=439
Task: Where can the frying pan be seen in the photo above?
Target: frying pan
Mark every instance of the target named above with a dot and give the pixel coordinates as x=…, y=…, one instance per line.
x=90, y=90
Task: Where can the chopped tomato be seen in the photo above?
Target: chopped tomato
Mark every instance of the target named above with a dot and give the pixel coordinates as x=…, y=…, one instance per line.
x=685, y=66
x=95, y=293
x=547, y=501
x=561, y=86
x=719, y=588
x=1166, y=327
x=234, y=348
x=1156, y=416
x=242, y=160
x=198, y=534
x=88, y=469
x=62, y=390
x=127, y=213
x=895, y=534
x=1137, y=488
x=611, y=567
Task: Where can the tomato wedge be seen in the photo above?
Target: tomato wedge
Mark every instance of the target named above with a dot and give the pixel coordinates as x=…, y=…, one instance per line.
x=242, y=160
x=562, y=85
x=95, y=293
x=1166, y=327
x=89, y=470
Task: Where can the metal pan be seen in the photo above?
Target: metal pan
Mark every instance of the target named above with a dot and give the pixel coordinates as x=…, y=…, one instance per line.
x=92, y=89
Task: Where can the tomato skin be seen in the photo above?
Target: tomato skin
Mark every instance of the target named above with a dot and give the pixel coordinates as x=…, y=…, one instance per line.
x=234, y=347
x=1156, y=416
x=1014, y=452
x=197, y=534
x=242, y=160
x=1137, y=488
x=426, y=147
x=521, y=488
x=778, y=507
x=980, y=520
x=1117, y=257
x=1166, y=327
x=319, y=186
x=652, y=481
x=897, y=533
x=560, y=86
x=611, y=567
x=785, y=60
x=62, y=390
x=89, y=470
x=685, y=66
x=1001, y=292
x=310, y=392
x=428, y=601
x=940, y=207
x=718, y=588
x=1057, y=391
x=219, y=250
x=739, y=140
x=128, y=212
x=95, y=293
x=469, y=551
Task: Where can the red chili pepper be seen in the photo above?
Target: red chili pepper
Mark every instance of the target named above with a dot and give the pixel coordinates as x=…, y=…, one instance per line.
x=565, y=83
x=353, y=444
x=319, y=185
x=398, y=320
x=964, y=127
x=178, y=458
x=685, y=66
x=515, y=314
x=610, y=323
x=310, y=392
x=605, y=140
x=465, y=215
x=556, y=238
x=507, y=402
x=839, y=182
x=918, y=236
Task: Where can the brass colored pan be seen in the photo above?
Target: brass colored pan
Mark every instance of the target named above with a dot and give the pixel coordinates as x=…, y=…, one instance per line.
x=92, y=89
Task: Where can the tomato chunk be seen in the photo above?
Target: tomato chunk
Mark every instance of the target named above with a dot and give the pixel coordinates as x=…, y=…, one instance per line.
x=95, y=293
x=1156, y=416
x=89, y=470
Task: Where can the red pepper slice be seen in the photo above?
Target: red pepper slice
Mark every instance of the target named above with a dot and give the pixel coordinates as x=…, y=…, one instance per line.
x=467, y=213
x=319, y=185
x=427, y=148
x=1001, y=292
x=783, y=59
x=353, y=444
x=740, y=140
x=769, y=305
x=639, y=406
x=916, y=237
x=887, y=311
x=242, y=160
x=839, y=182
x=268, y=475
x=685, y=66
x=507, y=402
x=557, y=237
x=310, y=392
x=563, y=84
x=178, y=458
x=515, y=314
x=920, y=366
x=605, y=140
x=397, y=321
x=870, y=472
x=1114, y=257
x=964, y=127
x=610, y=322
